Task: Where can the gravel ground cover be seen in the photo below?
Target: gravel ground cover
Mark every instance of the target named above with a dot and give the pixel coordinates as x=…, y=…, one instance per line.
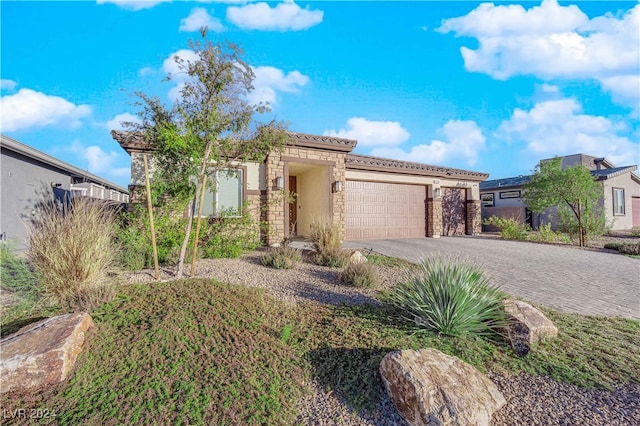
x=532, y=400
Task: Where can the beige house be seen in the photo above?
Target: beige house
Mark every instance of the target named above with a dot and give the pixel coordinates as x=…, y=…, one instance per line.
x=369, y=197
x=620, y=194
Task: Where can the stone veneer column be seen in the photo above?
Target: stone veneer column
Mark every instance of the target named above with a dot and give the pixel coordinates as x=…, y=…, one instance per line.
x=474, y=217
x=434, y=217
x=274, y=202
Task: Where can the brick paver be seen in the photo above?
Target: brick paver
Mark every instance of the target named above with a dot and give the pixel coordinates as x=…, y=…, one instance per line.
x=566, y=278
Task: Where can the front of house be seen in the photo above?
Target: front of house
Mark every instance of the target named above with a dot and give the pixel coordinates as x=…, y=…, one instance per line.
x=368, y=197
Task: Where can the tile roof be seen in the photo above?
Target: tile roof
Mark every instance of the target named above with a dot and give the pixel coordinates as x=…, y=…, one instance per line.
x=505, y=182
x=365, y=162
x=133, y=141
x=616, y=171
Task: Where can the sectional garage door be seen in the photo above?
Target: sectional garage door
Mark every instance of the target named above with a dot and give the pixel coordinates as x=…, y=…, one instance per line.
x=385, y=210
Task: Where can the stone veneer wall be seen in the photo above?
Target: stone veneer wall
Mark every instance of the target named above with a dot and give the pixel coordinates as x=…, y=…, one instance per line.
x=474, y=217
x=275, y=204
x=434, y=217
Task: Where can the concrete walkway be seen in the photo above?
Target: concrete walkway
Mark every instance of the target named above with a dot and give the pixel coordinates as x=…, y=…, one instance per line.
x=566, y=278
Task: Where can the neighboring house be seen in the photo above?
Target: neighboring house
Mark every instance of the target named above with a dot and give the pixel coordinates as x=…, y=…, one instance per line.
x=29, y=175
x=620, y=194
x=369, y=197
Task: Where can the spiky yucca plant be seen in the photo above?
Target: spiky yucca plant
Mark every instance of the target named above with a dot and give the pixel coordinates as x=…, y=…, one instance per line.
x=452, y=297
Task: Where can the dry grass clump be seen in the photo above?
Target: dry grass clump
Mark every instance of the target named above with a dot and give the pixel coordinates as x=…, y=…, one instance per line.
x=283, y=257
x=71, y=249
x=326, y=240
x=360, y=275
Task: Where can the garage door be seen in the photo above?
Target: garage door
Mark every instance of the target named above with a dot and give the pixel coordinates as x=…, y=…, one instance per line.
x=385, y=210
x=454, y=211
x=635, y=211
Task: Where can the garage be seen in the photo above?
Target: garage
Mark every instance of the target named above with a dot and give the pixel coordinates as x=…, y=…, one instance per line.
x=454, y=211
x=376, y=210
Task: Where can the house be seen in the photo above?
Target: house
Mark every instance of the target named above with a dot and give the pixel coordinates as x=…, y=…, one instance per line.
x=29, y=175
x=620, y=194
x=369, y=197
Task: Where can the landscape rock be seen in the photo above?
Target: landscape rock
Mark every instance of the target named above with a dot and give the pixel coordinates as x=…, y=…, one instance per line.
x=428, y=387
x=527, y=325
x=42, y=353
x=357, y=257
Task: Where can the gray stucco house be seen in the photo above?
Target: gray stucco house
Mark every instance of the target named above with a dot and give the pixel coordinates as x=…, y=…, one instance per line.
x=28, y=175
x=620, y=194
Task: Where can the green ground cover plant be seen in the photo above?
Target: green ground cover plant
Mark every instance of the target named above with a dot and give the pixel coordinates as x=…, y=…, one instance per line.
x=204, y=352
x=510, y=228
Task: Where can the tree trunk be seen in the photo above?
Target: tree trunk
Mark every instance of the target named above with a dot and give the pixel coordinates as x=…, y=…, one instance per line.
x=187, y=228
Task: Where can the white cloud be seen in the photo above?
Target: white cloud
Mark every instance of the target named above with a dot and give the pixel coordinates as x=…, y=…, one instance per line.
x=370, y=133
x=99, y=161
x=549, y=88
x=178, y=76
x=269, y=80
x=116, y=122
x=285, y=16
x=552, y=41
x=559, y=127
x=133, y=5
x=29, y=109
x=463, y=141
x=146, y=71
x=7, y=84
x=199, y=18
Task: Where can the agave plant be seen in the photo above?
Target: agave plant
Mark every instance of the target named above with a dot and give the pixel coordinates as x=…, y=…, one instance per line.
x=452, y=297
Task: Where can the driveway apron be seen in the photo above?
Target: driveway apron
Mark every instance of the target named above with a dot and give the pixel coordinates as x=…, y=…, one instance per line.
x=565, y=278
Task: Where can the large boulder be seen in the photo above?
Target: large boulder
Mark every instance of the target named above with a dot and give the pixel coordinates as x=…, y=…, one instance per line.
x=527, y=325
x=42, y=353
x=428, y=387
x=357, y=257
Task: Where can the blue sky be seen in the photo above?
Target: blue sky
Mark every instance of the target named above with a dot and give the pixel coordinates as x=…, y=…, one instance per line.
x=479, y=86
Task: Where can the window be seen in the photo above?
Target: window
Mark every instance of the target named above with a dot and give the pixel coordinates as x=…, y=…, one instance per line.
x=618, y=201
x=228, y=197
x=487, y=200
x=510, y=194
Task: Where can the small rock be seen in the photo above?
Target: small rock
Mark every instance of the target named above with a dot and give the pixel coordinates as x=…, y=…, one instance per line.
x=357, y=257
x=428, y=387
x=527, y=326
x=42, y=353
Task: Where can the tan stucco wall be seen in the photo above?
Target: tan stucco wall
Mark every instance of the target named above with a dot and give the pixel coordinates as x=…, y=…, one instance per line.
x=314, y=190
x=631, y=189
x=473, y=190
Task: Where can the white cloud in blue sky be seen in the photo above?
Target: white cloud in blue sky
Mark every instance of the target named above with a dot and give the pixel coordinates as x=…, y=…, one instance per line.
x=100, y=162
x=29, y=109
x=285, y=16
x=134, y=5
x=463, y=141
x=199, y=18
x=271, y=80
x=6, y=84
x=553, y=42
x=559, y=127
x=371, y=133
x=116, y=123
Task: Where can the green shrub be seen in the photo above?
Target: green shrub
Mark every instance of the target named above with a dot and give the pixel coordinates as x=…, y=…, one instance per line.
x=360, y=275
x=545, y=234
x=632, y=249
x=451, y=297
x=230, y=237
x=71, y=248
x=16, y=274
x=635, y=231
x=510, y=228
x=332, y=258
x=613, y=246
x=283, y=257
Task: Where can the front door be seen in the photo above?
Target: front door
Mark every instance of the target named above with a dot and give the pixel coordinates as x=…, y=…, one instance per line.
x=293, y=207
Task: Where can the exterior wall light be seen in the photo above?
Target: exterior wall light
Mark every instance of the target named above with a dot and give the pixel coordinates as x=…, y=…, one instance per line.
x=280, y=182
x=337, y=186
x=437, y=192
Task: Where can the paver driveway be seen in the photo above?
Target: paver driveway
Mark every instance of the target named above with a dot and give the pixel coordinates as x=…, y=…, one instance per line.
x=565, y=278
